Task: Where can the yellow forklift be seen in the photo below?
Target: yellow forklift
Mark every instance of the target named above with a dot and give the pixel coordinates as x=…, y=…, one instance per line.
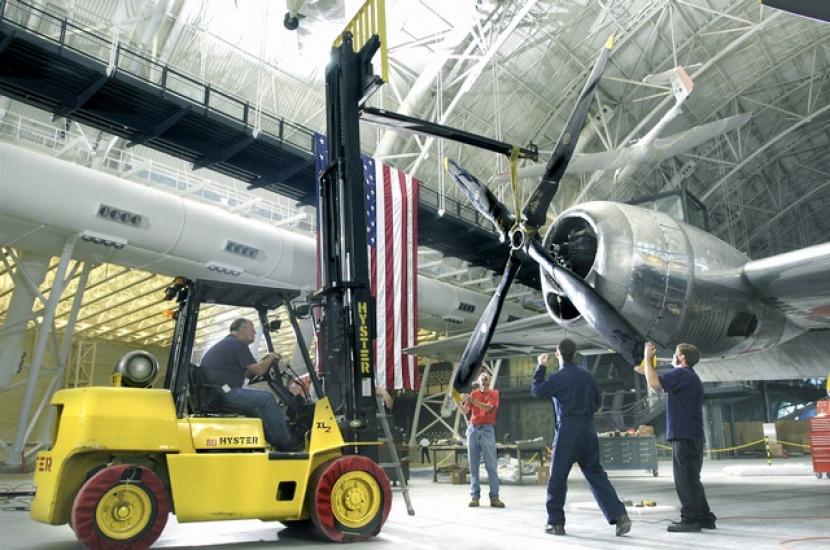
x=124, y=457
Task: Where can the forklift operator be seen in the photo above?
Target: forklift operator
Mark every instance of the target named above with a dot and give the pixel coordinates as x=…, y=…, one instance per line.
x=226, y=365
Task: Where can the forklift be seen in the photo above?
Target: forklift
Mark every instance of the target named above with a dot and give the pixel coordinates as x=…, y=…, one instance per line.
x=125, y=457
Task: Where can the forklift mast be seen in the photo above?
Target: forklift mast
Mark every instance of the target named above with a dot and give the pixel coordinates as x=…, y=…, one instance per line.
x=347, y=330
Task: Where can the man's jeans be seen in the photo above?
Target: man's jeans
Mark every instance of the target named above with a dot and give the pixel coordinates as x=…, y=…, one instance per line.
x=481, y=440
x=260, y=404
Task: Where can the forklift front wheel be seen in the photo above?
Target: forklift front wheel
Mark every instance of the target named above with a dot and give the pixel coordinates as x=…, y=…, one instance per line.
x=120, y=507
x=350, y=498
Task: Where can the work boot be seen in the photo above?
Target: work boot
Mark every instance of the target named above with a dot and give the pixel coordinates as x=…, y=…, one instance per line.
x=555, y=529
x=709, y=523
x=473, y=502
x=496, y=503
x=623, y=525
x=683, y=527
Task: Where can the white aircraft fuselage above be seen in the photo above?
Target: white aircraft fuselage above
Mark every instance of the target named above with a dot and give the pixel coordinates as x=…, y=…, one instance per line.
x=43, y=200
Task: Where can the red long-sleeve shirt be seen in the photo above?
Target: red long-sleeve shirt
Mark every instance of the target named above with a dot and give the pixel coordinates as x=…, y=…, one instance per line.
x=480, y=417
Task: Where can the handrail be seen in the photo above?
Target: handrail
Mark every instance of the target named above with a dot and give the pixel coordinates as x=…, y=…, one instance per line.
x=96, y=46
x=126, y=59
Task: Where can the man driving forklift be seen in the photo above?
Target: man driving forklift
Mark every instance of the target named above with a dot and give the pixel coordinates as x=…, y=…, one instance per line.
x=225, y=367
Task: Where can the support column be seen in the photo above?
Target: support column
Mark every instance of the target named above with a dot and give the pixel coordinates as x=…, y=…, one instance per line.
x=33, y=267
x=15, y=457
x=716, y=437
x=416, y=420
x=66, y=347
x=706, y=431
x=732, y=433
x=765, y=393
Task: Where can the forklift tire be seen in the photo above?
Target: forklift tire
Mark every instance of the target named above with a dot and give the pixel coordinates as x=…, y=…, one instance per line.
x=120, y=507
x=349, y=498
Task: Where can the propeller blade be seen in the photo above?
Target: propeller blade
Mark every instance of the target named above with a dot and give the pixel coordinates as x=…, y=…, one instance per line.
x=618, y=333
x=486, y=326
x=536, y=208
x=482, y=198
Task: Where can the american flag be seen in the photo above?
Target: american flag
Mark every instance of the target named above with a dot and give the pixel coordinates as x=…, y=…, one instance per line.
x=392, y=237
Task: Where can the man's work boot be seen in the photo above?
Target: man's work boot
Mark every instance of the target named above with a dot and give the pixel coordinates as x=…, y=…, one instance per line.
x=709, y=523
x=555, y=529
x=623, y=525
x=495, y=502
x=683, y=527
x=473, y=502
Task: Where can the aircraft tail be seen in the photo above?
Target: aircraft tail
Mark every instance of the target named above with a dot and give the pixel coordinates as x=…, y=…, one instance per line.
x=679, y=80
x=681, y=84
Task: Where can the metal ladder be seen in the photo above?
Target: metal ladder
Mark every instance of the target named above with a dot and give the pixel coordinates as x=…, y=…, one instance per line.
x=393, y=452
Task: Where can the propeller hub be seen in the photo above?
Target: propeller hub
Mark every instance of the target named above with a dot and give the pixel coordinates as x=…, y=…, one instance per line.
x=518, y=238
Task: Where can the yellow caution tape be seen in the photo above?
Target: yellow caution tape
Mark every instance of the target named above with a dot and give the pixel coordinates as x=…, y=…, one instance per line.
x=743, y=446
x=791, y=444
x=725, y=449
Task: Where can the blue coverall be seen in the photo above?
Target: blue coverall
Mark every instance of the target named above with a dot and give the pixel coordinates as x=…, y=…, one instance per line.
x=576, y=399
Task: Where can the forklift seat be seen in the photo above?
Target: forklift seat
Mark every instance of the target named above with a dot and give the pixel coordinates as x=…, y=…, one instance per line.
x=203, y=398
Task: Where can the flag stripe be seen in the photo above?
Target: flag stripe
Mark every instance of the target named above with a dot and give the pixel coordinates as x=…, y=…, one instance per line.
x=403, y=334
x=389, y=271
x=412, y=275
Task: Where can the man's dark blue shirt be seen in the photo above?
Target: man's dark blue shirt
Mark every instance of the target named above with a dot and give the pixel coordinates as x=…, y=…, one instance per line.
x=684, y=411
x=573, y=389
x=226, y=361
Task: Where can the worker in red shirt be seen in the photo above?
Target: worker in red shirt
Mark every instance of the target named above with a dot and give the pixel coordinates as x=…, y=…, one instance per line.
x=482, y=405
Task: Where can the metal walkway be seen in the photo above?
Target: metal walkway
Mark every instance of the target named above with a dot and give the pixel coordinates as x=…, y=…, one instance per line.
x=50, y=63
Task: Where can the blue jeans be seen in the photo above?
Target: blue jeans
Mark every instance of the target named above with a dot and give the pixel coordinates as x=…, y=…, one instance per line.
x=481, y=440
x=263, y=405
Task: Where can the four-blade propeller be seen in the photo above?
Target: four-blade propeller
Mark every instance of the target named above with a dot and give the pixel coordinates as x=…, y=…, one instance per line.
x=522, y=234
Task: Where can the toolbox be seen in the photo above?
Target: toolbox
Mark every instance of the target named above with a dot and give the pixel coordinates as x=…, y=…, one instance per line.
x=628, y=453
x=820, y=445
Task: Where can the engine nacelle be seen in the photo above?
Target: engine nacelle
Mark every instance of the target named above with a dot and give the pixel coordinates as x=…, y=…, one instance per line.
x=672, y=281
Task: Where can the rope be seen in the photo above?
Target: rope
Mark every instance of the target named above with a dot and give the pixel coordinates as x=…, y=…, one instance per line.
x=783, y=543
x=514, y=178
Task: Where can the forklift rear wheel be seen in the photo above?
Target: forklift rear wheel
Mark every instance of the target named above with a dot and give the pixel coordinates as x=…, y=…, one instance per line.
x=120, y=507
x=350, y=498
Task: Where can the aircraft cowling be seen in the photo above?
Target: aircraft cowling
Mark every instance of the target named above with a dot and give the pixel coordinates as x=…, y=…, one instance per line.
x=672, y=281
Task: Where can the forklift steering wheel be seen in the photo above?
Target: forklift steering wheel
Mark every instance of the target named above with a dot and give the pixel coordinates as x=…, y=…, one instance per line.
x=273, y=370
x=271, y=373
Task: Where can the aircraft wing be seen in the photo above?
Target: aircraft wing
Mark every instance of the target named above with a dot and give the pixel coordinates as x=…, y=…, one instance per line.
x=683, y=141
x=796, y=283
x=529, y=336
x=660, y=149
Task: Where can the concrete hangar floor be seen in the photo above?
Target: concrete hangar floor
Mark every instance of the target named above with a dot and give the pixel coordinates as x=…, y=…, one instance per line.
x=754, y=512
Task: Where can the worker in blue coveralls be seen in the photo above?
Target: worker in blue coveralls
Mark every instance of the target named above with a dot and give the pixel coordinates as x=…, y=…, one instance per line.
x=575, y=398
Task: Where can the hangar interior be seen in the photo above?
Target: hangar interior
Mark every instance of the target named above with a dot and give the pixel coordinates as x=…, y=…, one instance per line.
x=130, y=131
